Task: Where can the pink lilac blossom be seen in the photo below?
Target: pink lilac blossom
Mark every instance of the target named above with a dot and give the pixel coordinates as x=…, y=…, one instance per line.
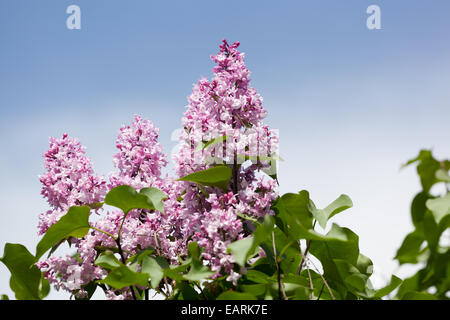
x=141, y=158
x=139, y=163
x=69, y=180
x=225, y=106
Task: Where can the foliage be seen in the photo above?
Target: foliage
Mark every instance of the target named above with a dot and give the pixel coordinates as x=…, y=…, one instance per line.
x=329, y=266
x=219, y=229
x=427, y=245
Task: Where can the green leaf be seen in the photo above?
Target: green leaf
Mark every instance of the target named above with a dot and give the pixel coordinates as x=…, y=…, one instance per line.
x=287, y=250
x=123, y=276
x=155, y=268
x=395, y=282
x=423, y=154
x=186, y=291
x=264, y=230
x=44, y=286
x=255, y=289
x=357, y=281
x=418, y=208
x=414, y=295
x=289, y=288
x=426, y=169
x=302, y=293
x=197, y=271
x=440, y=207
x=177, y=272
x=298, y=279
x=203, y=145
x=408, y=285
x=364, y=265
x=340, y=204
x=156, y=196
x=430, y=229
x=138, y=257
x=127, y=198
x=294, y=217
x=410, y=248
x=339, y=256
x=339, y=243
x=297, y=206
x=107, y=260
x=194, y=251
x=26, y=281
x=257, y=276
x=218, y=176
x=243, y=249
x=4, y=297
x=75, y=223
x=234, y=295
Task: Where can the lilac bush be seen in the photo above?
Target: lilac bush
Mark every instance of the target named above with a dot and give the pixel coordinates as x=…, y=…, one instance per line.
x=227, y=106
x=217, y=228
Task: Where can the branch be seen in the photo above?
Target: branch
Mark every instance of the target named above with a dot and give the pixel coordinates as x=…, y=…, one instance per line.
x=124, y=261
x=281, y=291
x=308, y=245
x=310, y=284
x=107, y=233
x=300, y=267
x=324, y=281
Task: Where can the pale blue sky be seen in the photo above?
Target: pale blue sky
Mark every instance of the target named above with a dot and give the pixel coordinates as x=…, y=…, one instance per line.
x=351, y=104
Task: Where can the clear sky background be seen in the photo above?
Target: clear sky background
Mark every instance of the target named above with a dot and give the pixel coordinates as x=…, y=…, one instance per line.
x=351, y=104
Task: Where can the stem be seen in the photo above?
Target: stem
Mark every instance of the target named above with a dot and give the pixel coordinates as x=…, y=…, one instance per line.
x=235, y=174
x=167, y=287
x=124, y=261
x=281, y=291
x=119, y=246
x=121, y=225
x=107, y=233
x=201, y=290
x=308, y=245
x=158, y=250
x=310, y=283
x=324, y=281
x=321, y=290
x=328, y=287
x=164, y=294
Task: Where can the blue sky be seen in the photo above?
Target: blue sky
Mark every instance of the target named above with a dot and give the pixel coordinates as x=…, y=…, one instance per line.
x=351, y=104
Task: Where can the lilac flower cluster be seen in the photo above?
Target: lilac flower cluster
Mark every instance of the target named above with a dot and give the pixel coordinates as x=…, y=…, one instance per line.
x=140, y=158
x=225, y=106
x=69, y=180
